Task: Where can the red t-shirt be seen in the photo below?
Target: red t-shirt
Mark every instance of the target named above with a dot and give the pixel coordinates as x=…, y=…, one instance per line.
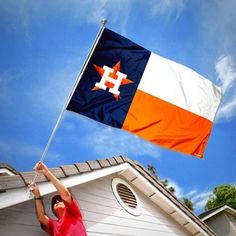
x=70, y=224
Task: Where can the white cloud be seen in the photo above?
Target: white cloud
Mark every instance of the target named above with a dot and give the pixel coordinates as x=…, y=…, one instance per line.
x=178, y=190
x=119, y=141
x=199, y=200
x=169, y=8
x=103, y=140
x=191, y=193
x=219, y=31
x=226, y=73
x=227, y=111
x=197, y=197
x=23, y=14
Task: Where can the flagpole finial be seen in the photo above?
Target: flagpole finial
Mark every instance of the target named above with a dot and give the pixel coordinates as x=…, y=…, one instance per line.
x=104, y=21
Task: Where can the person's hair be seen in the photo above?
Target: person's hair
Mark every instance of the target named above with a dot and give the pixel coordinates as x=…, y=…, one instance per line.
x=54, y=200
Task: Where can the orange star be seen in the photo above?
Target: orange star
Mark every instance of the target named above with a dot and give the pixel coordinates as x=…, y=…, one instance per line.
x=116, y=68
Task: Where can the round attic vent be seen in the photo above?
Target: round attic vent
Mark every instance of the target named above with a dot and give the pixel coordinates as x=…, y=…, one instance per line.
x=126, y=196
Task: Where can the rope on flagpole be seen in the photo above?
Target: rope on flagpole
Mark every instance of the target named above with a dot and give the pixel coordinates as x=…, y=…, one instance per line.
x=103, y=24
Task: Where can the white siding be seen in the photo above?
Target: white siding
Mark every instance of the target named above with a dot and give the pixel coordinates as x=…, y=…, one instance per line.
x=19, y=220
x=222, y=224
x=102, y=213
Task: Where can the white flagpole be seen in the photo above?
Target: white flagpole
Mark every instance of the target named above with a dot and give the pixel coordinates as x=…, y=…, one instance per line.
x=103, y=24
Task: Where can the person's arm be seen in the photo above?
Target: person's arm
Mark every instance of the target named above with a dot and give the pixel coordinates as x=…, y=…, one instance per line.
x=39, y=206
x=41, y=168
x=73, y=208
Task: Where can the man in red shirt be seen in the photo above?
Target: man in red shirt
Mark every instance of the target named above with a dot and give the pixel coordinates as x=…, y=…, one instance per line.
x=69, y=219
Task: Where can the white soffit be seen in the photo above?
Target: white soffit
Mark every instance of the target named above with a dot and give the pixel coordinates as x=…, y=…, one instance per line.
x=15, y=196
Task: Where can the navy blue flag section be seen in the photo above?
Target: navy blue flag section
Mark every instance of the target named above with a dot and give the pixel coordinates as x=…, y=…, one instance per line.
x=117, y=53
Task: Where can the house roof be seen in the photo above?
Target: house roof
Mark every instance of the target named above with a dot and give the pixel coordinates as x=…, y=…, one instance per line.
x=7, y=169
x=11, y=187
x=214, y=211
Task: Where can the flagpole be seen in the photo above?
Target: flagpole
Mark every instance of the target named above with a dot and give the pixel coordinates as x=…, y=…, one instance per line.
x=102, y=27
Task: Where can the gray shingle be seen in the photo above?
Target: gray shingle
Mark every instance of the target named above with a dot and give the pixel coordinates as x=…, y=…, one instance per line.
x=29, y=177
x=70, y=170
x=94, y=165
x=104, y=163
x=119, y=159
x=83, y=167
x=112, y=161
x=57, y=172
x=10, y=182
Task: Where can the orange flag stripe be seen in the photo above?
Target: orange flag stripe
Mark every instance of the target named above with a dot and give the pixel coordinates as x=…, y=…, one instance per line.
x=167, y=125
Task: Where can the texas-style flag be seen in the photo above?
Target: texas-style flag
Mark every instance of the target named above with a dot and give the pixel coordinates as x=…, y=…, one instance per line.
x=126, y=86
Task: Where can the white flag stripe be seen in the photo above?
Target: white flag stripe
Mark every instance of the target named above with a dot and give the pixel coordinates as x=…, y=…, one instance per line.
x=181, y=86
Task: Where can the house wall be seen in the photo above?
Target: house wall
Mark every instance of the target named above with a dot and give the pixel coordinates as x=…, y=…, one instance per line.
x=232, y=219
x=102, y=214
x=222, y=224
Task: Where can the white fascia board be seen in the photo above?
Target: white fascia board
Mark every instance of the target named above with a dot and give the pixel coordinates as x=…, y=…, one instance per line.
x=167, y=201
x=230, y=210
x=15, y=196
x=5, y=170
x=223, y=208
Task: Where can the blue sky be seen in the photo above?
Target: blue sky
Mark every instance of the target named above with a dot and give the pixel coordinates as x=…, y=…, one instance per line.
x=42, y=48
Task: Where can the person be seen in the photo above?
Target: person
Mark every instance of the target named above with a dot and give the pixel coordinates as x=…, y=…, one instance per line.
x=69, y=218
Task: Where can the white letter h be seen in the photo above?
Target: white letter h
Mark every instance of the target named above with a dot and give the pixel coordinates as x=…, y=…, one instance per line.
x=106, y=78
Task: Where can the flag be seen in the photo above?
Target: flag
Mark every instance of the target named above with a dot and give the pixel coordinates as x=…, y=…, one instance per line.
x=127, y=86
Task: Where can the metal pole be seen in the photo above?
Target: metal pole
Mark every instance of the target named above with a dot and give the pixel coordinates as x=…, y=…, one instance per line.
x=103, y=24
